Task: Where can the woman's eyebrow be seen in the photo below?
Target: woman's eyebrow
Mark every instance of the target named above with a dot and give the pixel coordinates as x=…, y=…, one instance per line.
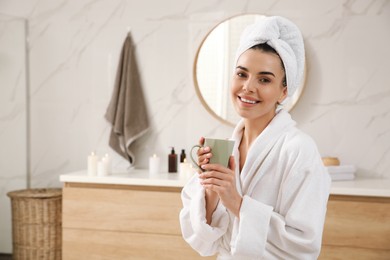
x=260, y=73
x=241, y=67
x=266, y=73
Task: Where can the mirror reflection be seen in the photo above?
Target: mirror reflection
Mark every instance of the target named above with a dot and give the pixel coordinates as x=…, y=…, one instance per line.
x=214, y=65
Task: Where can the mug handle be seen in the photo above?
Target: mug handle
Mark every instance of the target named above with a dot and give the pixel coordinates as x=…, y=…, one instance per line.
x=194, y=162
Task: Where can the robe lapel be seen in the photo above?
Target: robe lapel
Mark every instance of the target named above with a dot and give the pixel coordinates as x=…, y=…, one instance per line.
x=237, y=135
x=259, y=151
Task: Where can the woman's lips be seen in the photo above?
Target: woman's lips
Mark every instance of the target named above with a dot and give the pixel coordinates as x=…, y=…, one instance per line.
x=248, y=100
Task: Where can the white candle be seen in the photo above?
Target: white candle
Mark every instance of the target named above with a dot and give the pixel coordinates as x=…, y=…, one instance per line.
x=184, y=169
x=190, y=171
x=107, y=158
x=102, y=169
x=154, y=165
x=92, y=164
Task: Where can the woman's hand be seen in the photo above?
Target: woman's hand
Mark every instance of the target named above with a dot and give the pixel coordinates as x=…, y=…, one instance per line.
x=204, y=153
x=222, y=181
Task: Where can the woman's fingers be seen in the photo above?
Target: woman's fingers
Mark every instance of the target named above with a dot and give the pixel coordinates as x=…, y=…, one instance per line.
x=217, y=181
x=215, y=167
x=212, y=175
x=204, y=155
x=203, y=150
x=232, y=163
x=201, y=141
x=217, y=172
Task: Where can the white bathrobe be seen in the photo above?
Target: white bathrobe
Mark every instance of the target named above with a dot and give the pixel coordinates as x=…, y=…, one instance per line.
x=285, y=189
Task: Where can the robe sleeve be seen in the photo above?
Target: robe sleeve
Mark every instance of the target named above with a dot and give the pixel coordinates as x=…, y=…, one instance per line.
x=295, y=231
x=203, y=238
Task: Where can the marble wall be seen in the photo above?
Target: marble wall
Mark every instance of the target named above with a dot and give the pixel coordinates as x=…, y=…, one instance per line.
x=74, y=48
x=13, y=119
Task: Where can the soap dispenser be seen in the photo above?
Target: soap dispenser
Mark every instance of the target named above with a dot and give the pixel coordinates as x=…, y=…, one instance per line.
x=172, y=161
x=182, y=155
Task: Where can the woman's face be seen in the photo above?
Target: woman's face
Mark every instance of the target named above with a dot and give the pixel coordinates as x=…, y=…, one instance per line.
x=257, y=85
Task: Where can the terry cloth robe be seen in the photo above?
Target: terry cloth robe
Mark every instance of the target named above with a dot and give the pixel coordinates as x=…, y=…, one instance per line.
x=127, y=111
x=285, y=189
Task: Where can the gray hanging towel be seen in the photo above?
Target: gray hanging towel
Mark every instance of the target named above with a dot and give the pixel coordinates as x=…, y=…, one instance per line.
x=127, y=111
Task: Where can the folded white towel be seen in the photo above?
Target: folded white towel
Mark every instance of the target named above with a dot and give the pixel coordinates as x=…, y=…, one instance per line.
x=342, y=172
x=286, y=38
x=342, y=169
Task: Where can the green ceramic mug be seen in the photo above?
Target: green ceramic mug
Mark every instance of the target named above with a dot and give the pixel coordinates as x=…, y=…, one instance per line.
x=220, y=148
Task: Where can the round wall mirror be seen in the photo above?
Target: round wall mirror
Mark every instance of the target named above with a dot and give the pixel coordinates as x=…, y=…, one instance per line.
x=213, y=68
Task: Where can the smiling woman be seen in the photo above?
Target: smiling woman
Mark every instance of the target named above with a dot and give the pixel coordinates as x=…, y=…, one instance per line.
x=270, y=201
x=258, y=83
x=214, y=66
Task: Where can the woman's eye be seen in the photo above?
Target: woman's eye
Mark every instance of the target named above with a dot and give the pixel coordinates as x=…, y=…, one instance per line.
x=264, y=80
x=240, y=74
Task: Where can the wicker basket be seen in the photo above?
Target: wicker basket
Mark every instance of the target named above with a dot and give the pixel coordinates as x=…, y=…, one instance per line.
x=36, y=223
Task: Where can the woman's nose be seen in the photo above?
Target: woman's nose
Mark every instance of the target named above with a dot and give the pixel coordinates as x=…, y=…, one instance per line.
x=249, y=85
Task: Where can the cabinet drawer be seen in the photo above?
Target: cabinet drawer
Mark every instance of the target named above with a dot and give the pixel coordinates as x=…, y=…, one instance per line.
x=95, y=244
x=122, y=210
x=339, y=252
x=358, y=222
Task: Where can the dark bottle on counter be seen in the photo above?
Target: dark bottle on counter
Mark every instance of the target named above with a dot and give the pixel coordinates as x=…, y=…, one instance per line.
x=182, y=155
x=172, y=161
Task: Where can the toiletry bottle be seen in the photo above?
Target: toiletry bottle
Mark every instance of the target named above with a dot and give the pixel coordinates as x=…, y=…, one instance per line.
x=182, y=155
x=172, y=161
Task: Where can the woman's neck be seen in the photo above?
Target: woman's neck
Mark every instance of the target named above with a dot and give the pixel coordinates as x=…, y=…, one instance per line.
x=252, y=129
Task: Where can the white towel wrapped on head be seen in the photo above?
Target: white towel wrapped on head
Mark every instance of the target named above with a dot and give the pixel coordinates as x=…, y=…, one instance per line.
x=286, y=38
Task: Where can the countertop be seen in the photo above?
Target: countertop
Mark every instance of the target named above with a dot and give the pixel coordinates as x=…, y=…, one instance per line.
x=357, y=187
x=133, y=177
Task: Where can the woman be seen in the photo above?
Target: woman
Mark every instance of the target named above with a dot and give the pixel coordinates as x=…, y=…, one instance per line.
x=270, y=203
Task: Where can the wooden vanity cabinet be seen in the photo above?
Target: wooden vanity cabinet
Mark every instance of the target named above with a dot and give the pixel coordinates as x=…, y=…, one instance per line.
x=103, y=221
x=357, y=227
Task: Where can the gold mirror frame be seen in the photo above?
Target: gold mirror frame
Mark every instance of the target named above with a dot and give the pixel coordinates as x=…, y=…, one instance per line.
x=288, y=104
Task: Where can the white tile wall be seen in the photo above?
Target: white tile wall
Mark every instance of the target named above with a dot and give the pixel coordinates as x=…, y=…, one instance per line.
x=13, y=149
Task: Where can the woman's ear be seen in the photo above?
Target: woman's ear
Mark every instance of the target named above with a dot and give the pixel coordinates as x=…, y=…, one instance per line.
x=283, y=95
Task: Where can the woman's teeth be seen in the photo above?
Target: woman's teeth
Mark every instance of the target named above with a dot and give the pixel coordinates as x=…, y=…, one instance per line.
x=248, y=101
